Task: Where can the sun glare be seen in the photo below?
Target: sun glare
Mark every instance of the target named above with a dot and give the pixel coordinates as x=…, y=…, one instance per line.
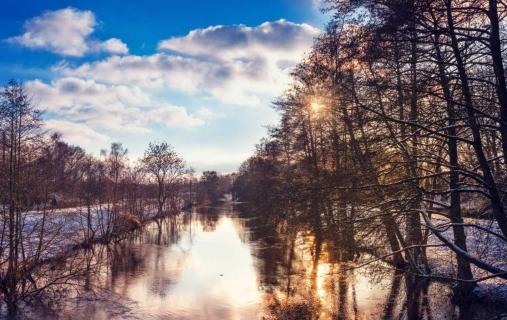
x=316, y=106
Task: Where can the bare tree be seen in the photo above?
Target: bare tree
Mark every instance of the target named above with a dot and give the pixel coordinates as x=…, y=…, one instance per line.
x=166, y=168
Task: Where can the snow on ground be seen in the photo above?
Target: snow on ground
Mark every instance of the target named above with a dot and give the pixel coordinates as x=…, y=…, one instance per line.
x=64, y=228
x=480, y=244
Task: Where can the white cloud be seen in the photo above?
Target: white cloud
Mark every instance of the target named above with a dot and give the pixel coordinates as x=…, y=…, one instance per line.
x=114, y=46
x=115, y=108
x=237, y=64
x=78, y=134
x=274, y=41
x=66, y=32
x=173, y=116
x=207, y=113
x=153, y=71
x=62, y=31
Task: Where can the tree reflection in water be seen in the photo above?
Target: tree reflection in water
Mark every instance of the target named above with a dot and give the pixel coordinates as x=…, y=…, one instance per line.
x=220, y=264
x=305, y=276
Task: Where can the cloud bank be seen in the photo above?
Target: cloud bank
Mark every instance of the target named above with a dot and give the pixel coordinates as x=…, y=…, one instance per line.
x=236, y=64
x=101, y=99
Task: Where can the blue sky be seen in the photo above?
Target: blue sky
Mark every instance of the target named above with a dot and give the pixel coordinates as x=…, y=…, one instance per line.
x=198, y=74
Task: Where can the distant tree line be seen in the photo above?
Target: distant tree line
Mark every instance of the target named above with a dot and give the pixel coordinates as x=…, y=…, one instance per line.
x=213, y=186
x=395, y=128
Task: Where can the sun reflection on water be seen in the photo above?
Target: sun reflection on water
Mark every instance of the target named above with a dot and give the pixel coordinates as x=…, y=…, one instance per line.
x=322, y=275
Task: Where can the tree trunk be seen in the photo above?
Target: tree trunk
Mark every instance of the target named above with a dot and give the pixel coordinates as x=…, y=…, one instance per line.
x=501, y=84
x=464, y=270
x=490, y=184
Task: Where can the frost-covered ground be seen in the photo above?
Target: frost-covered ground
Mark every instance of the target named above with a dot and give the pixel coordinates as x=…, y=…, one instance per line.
x=483, y=245
x=63, y=229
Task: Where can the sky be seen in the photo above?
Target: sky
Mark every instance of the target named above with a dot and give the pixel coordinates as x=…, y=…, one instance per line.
x=200, y=75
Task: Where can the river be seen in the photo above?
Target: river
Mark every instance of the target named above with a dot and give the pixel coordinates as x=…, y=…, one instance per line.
x=216, y=264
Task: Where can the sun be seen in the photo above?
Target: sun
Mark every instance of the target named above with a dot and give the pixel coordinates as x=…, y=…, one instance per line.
x=316, y=106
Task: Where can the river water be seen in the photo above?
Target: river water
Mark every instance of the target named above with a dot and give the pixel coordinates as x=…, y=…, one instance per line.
x=215, y=264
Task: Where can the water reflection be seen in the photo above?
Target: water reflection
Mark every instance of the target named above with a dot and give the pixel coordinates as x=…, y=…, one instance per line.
x=213, y=264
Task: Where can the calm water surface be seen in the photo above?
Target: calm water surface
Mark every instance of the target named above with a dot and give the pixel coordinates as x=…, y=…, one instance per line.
x=212, y=264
